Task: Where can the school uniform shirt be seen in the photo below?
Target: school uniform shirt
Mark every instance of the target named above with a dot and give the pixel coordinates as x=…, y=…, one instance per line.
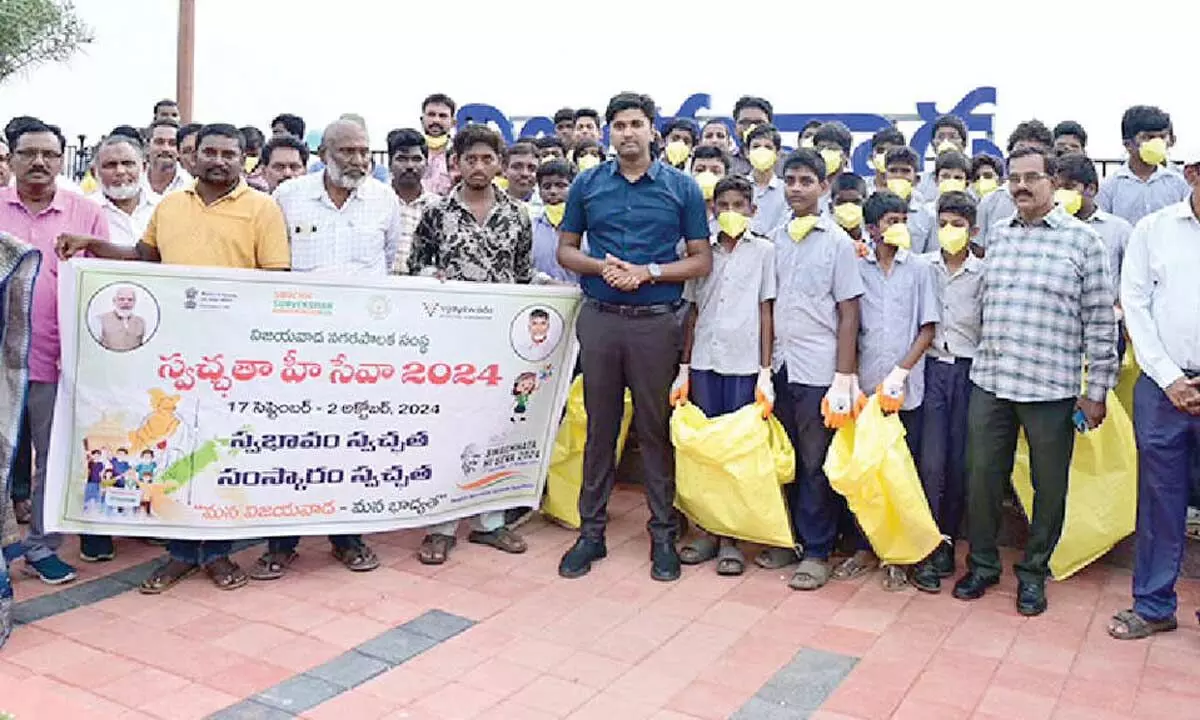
x=812, y=276
x=1047, y=304
x=927, y=185
x=1160, y=295
x=994, y=209
x=359, y=237
x=773, y=209
x=545, y=251
x=960, y=294
x=1114, y=231
x=922, y=225
x=728, y=300
x=1126, y=195
x=894, y=307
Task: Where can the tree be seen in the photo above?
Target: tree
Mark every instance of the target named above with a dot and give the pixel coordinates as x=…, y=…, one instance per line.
x=37, y=31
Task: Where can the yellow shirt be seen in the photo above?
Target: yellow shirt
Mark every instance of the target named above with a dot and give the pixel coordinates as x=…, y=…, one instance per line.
x=244, y=229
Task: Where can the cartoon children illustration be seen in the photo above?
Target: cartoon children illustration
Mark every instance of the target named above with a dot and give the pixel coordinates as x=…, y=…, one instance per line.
x=523, y=387
x=146, y=485
x=95, y=471
x=120, y=462
x=146, y=464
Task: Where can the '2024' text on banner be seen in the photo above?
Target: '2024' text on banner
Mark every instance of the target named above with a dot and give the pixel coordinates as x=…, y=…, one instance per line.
x=211, y=403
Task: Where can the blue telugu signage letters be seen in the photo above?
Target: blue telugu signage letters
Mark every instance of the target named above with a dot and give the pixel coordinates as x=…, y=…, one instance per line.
x=790, y=124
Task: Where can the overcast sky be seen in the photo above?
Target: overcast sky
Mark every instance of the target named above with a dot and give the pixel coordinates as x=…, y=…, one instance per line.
x=255, y=58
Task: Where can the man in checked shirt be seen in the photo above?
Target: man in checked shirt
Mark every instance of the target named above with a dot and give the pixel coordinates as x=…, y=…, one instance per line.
x=1047, y=305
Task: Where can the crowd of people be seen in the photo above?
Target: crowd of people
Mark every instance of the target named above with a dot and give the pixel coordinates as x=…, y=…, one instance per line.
x=717, y=267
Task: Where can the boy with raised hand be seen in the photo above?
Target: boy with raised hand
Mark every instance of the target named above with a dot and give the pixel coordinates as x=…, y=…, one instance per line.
x=881, y=142
x=902, y=163
x=763, y=144
x=899, y=312
x=1146, y=182
x=958, y=277
x=949, y=135
x=727, y=337
x=816, y=329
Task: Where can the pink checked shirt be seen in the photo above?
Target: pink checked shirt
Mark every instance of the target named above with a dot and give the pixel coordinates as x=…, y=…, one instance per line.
x=67, y=213
x=437, y=174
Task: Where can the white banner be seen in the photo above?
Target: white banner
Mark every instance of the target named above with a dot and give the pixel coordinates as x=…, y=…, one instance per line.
x=211, y=403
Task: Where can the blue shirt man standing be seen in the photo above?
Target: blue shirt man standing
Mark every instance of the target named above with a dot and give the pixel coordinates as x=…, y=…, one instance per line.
x=634, y=210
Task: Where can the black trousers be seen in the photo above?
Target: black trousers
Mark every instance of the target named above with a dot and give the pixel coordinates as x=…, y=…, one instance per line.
x=641, y=354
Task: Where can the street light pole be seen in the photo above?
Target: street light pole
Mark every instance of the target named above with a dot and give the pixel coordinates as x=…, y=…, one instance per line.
x=185, y=60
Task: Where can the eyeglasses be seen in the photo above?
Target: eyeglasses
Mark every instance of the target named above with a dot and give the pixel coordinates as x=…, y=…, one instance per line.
x=1028, y=178
x=29, y=154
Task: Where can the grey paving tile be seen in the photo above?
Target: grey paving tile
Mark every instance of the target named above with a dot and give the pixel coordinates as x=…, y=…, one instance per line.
x=40, y=608
x=759, y=709
x=250, y=710
x=350, y=669
x=438, y=625
x=800, y=687
x=297, y=694
x=397, y=645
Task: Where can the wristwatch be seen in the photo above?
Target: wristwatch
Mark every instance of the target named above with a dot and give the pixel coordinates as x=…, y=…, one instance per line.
x=655, y=272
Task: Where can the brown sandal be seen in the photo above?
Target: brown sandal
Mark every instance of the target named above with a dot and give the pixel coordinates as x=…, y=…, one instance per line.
x=226, y=574
x=166, y=577
x=1128, y=625
x=895, y=578
x=358, y=557
x=436, y=548
x=501, y=539
x=272, y=565
x=855, y=566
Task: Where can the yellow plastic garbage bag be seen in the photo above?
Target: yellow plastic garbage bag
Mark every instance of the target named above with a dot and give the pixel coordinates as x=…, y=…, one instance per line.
x=1101, y=494
x=565, y=477
x=869, y=463
x=728, y=473
x=1130, y=371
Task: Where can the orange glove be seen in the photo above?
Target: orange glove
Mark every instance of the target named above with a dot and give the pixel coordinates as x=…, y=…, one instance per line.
x=764, y=392
x=891, y=390
x=839, y=405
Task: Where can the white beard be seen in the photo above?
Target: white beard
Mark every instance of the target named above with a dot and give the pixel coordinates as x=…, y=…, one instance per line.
x=123, y=314
x=339, y=178
x=122, y=192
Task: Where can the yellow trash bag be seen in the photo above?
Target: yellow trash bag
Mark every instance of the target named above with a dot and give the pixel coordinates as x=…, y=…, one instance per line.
x=869, y=463
x=1101, y=494
x=565, y=476
x=1130, y=370
x=728, y=473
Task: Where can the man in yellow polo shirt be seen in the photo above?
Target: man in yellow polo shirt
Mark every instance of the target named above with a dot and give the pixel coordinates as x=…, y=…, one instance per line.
x=219, y=221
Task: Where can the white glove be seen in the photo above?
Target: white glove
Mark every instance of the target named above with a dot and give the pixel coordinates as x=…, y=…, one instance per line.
x=891, y=390
x=838, y=405
x=764, y=391
x=679, y=388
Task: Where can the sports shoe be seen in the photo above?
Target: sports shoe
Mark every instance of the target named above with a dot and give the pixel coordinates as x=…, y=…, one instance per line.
x=50, y=570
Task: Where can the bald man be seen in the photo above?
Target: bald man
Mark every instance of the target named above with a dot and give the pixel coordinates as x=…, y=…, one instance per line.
x=378, y=171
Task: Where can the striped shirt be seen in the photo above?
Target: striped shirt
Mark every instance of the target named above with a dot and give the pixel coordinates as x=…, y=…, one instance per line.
x=1047, y=304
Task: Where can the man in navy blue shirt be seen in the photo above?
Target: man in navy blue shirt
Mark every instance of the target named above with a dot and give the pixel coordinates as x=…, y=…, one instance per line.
x=634, y=210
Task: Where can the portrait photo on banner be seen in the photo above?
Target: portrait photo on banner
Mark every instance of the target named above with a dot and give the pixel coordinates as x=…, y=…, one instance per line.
x=122, y=316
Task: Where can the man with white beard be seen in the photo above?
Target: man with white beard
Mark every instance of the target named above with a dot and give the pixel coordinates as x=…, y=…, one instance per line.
x=120, y=329
x=127, y=202
x=345, y=221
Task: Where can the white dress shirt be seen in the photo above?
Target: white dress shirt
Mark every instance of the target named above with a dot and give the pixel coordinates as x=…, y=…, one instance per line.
x=360, y=236
x=126, y=229
x=181, y=180
x=1160, y=295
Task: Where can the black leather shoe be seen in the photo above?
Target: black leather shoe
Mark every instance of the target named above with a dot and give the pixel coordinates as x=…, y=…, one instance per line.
x=972, y=586
x=943, y=560
x=664, y=561
x=1031, y=598
x=578, y=560
x=925, y=577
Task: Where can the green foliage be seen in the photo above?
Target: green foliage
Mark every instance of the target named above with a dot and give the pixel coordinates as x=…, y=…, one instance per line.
x=38, y=31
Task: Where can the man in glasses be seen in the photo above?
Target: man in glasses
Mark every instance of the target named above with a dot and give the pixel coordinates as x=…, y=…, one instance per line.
x=1047, y=305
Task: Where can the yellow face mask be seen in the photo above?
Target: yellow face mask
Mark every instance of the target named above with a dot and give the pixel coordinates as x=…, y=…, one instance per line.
x=806, y=142
x=554, y=213
x=945, y=146
x=1153, y=152
x=900, y=186
x=733, y=223
x=587, y=162
x=436, y=142
x=897, y=234
x=707, y=182
x=833, y=161
x=800, y=227
x=879, y=162
x=249, y=164
x=1071, y=200
x=677, y=152
x=849, y=215
x=762, y=158
x=986, y=186
x=953, y=238
x=952, y=185
x=501, y=182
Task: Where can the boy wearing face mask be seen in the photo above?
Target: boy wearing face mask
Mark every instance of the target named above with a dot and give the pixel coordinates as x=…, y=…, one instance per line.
x=902, y=173
x=847, y=193
x=553, y=180
x=881, y=142
x=709, y=164
x=900, y=311
x=680, y=138
x=1077, y=183
x=986, y=176
x=958, y=278
x=1146, y=182
x=949, y=135
x=728, y=336
x=588, y=154
x=805, y=138
x=833, y=141
x=763, y=144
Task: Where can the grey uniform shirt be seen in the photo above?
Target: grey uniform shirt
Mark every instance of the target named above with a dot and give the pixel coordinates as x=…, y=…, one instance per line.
x=813, y=276
x=772, y=207
x=1127, y=196
x=961, y=297
x=894, y=307
x=922, y=224
x=1114, y=231
x=727, y=339
x=996, y=207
